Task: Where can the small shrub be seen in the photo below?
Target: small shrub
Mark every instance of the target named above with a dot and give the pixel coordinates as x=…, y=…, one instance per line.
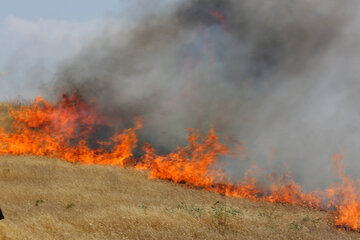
x=181, y=205
x=144, y=207
x=315, y=221
x=193, y=209
x=38, y=202
x=70, y=205
x=189, y=208
x=222, y=215
x=296, y=226
x=220, y=210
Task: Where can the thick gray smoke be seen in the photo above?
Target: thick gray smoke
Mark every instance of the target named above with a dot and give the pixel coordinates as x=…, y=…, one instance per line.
x=280, y=76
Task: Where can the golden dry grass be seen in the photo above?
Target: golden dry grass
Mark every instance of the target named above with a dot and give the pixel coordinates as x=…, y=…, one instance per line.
x=5, y=120
x=50, y=199
x=44, y=198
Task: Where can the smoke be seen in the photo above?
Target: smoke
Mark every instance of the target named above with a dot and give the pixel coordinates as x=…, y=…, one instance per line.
x=278, y=75
x=32, y=49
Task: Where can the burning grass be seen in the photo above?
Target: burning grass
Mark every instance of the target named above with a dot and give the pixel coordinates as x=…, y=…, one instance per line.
x=66, y=130
x=61, y=131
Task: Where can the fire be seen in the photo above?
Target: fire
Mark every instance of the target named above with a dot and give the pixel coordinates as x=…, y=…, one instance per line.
x=63, y=130
x=194, y=164
x=198, y=165
x=345, y=197
x=67, y=130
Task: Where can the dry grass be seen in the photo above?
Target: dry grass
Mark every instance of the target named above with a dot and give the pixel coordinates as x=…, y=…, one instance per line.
x=50, y=199
x=5, y=120
x=45, y=198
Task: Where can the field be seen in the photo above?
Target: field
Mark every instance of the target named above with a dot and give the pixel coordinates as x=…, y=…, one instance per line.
x=44, y=198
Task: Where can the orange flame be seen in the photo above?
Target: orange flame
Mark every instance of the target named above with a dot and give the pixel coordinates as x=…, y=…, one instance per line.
x=62, y=130
x=194, y=164
x=198, y=165
x=345, y=197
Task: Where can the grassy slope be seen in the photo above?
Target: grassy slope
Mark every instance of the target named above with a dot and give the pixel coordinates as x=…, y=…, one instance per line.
x=5, y=120
x=50, y=199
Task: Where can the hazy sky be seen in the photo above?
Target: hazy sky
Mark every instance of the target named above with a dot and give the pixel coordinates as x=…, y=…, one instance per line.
x=36, y=35
x=65, y=9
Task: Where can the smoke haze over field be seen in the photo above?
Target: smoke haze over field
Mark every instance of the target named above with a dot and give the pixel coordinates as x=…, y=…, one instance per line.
x=31, y=49
x=280, y=76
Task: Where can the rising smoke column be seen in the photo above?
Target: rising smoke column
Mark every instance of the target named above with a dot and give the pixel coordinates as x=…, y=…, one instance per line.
x=263, y=72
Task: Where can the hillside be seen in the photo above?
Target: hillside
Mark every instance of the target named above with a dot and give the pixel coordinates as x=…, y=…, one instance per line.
x=51, y=199
x=45, y=198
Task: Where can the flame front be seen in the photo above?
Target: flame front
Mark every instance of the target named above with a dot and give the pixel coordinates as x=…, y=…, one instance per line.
x=194, y=164
x=345, y=197
x=60, y=130
x=63, y=130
